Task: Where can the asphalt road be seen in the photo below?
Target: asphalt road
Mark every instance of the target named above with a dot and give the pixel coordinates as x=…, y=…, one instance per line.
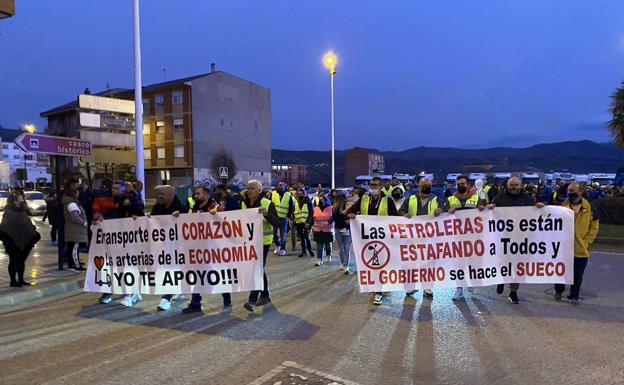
x=321, y=321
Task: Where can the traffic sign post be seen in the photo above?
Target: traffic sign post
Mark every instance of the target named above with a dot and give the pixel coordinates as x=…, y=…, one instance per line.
x=223, y=172
x=57, y=146
x=53, y=145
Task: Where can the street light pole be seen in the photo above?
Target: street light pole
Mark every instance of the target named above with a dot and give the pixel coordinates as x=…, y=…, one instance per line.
x=330, y=62
x=333, y=160
x=138, y=96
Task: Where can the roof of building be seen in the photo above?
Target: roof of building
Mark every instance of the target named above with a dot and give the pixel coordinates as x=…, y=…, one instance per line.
x=128, y=92
x=9, y=134
x=70, y=106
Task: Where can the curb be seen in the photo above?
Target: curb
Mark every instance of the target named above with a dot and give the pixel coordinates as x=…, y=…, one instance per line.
x=19, y=297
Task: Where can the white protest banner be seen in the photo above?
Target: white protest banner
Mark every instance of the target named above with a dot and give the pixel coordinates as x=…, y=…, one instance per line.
x=193, y=253
x=466, y=249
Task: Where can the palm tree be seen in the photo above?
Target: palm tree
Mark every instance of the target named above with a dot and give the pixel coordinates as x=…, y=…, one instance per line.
x=616, y=125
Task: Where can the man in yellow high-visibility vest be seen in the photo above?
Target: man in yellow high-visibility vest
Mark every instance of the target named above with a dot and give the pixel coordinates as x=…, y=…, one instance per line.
x=254, y=199
x=284, y=205
x=373, y=203
x=303, y=221
x=423, y=203
x=462, y=200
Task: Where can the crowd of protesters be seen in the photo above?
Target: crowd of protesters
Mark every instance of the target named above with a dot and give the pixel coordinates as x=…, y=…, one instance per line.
x=322, y=216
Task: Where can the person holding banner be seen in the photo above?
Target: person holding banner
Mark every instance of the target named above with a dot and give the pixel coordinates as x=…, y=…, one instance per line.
x=167, y=203
x=253, y=199
x=513, y=196
x=127, y=205
x=205, y=204
x=284, y=205
x=373, y=203
x=423, y=203
x=462, y=199
x=323, y=228
x=585, y=231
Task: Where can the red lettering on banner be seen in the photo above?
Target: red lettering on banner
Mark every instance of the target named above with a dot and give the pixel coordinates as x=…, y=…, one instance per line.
x=410, y=276
x=540, y=269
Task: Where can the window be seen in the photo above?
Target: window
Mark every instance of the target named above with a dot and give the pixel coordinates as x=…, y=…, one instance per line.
x=178, y=125
x=146, y=106
x=146, y=128
x=160, y=100
x=5, y=156
x=160, y=152
x=5, y=146
x=160, y=127
x=177, y=97
x=29, y=157
x=16, y=156
x=178, y=151
x=147, y=153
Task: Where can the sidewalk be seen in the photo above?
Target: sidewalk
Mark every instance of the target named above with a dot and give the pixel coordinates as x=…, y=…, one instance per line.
x=41, y=270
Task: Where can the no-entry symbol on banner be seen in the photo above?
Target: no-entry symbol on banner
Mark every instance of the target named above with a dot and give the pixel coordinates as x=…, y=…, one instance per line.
x=375, y=255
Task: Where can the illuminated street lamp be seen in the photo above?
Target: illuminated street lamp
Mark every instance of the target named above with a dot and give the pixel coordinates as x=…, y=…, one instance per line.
x=30, y=128
x=330, y=62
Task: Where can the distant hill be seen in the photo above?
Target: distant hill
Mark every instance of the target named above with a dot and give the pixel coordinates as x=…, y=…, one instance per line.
x=574, y=156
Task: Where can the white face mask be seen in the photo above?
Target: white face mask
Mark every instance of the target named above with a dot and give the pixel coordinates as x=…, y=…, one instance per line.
x=374, y=191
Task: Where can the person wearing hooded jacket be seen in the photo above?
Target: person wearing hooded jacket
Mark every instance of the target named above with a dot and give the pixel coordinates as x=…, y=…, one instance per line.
x=18, y=235
x=76, y=225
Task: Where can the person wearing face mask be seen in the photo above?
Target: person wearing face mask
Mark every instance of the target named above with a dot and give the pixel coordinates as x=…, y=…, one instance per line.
x=513, y=196
x=284, y=204
x=462, y=199
x=398, y=196
x=373, y=203
x=585, y=231
x=204, y=204
x=423, y=203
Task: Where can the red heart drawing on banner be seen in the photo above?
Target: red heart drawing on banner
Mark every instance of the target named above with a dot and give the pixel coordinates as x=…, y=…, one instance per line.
x=99, y=262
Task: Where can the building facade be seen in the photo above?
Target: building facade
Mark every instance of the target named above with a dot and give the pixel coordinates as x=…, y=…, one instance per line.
x=190, y=126
x=362, y=161
x=290, y=173
x=36, y=166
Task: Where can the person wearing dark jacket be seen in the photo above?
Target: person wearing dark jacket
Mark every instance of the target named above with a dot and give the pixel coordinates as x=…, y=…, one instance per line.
x=204, y=204
x=18, y=235
x=128, y=204
x=167, y=203
x=513, y=196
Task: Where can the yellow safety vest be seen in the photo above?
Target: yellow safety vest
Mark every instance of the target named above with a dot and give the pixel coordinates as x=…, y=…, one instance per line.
x=487, y=197
x=471, y=203
x=383, y=205
x=301, y=213
x=267, y=229
x=432, y=205
x=191, y=202
x=281, y=206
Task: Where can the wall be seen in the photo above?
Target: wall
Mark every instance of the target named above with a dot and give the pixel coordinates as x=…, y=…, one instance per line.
x=234, y=115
